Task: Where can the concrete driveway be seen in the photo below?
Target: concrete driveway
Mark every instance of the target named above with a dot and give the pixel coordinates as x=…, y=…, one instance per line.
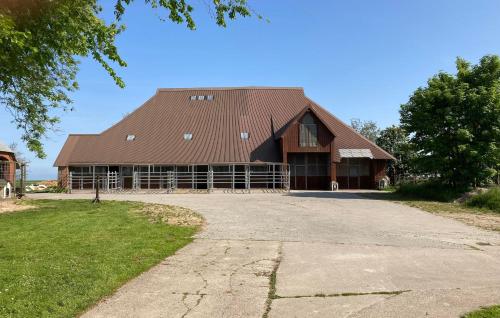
x=313, y=254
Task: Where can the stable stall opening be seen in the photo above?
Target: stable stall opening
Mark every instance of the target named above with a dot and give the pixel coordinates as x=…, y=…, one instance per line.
x=354, y=173
x=309, y=171
x=169, y=178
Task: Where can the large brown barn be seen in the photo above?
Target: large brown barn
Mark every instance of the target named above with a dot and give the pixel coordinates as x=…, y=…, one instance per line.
x=239, y=138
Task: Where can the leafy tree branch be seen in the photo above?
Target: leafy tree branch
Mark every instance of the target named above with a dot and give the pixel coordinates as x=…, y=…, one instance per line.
x=41, y=42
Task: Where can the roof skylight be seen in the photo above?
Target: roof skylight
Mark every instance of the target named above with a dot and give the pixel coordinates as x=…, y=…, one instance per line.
x=244, y=135
x=201, y=97
x=188, y=136
x=130, y=137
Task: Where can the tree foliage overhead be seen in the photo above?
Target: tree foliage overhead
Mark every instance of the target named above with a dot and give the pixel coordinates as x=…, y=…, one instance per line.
x=368, y=129
x=41, y=42
x=454, y=123
x=396, y=141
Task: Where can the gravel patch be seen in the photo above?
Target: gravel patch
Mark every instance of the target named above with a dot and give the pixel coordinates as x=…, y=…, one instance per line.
x=8, y=206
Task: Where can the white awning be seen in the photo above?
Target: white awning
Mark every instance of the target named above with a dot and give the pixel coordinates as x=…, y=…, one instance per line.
x=355, y=153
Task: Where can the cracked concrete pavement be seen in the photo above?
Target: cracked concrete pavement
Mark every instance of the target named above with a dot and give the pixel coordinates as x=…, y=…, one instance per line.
x=333, y=255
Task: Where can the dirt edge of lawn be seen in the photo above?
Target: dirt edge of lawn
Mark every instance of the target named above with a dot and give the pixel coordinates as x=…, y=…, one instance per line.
x=13, y=205
x=481, y=218
x=127, y=222
x=485, y=220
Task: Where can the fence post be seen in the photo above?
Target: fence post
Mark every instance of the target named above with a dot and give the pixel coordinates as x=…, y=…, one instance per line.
x=233, y=176
x=288, y=178
x=210, y=181
x=274, y=177
x=70, y=183
x=247, y=177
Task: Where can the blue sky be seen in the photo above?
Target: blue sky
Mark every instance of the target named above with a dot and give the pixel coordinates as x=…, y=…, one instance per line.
x=358, y=59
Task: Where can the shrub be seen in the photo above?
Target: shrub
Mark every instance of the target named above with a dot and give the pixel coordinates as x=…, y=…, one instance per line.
x=430, y=190
x=489, y=200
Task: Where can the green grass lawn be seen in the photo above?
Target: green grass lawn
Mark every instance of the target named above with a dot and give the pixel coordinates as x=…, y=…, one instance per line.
x=489, y=200
x=63, y=256
x=425, y=204
x=489, y=312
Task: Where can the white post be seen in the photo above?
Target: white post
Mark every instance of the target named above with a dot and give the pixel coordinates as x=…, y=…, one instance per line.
x=70, y=185
x=274, y=177
x=192, y=177
x=160, y=186
x=232, y=180
x=210, y=179
x=149, y=176
x=247, y=177
x=107, y=180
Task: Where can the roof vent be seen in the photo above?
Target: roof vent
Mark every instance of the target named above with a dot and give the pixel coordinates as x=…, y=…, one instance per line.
x=201, y=97
x=193, y=97
x=210, y=97
x=130, y=137
x=188, y=136
x=244, y=135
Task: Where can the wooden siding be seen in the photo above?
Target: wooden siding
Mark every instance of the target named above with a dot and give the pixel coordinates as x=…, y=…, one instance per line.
x=62, y=177
x=378, y=171
x=291, y=142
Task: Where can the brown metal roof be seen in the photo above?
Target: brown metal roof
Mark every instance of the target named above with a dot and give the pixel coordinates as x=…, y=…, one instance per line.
x=161, y=122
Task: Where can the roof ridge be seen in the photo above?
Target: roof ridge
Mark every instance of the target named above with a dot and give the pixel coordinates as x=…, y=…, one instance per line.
x=182, y=89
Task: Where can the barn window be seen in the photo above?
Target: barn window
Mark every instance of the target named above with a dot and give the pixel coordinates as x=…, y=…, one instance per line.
x=308, y=131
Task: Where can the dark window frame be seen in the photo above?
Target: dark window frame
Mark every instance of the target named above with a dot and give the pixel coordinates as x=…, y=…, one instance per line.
x=308, y=132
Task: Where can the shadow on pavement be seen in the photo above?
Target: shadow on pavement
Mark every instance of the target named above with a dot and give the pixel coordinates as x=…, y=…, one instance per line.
x=343, y=195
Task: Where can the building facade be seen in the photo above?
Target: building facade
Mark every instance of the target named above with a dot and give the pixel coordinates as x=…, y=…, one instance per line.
x=7, y=171
x=237, y=138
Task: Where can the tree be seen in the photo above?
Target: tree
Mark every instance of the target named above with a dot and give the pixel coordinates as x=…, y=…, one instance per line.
x=17, y=153
x=396, y=141
x=42, y=40
x=454, y=123
x=368, y=128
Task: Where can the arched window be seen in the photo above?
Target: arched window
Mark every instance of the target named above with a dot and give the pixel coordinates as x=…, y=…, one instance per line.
x=308, y=134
